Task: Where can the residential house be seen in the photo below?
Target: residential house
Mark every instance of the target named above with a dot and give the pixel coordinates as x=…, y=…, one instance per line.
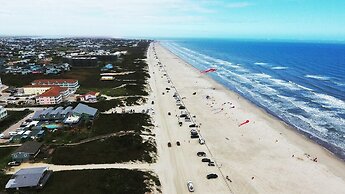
x=89, y=97
x=26, y=151
x=29, y=178
x=84, y=110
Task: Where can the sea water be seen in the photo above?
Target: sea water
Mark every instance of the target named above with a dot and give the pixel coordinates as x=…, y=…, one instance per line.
x=303, y=84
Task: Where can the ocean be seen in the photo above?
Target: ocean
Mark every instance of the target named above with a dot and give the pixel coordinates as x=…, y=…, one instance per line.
x=302, y=84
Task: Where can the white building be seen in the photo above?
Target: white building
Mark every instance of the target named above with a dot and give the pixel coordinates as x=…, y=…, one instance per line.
x=3, y=113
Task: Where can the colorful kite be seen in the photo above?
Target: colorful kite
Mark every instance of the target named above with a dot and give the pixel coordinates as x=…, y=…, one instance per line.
x=245, y=122
x=209, y=70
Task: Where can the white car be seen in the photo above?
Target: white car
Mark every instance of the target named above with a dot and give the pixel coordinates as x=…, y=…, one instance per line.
x=201, y=141
x=2, y=135
x=190, y=186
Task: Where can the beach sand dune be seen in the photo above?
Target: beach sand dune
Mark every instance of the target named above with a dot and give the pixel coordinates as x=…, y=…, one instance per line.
x=262, y=156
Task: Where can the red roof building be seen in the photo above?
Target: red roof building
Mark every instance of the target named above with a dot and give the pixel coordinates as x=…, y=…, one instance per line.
x=71, y=84
x=54, y=95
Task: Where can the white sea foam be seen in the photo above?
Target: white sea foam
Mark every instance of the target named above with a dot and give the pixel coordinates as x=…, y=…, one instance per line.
x=260, y=63
x=339, y=83
x=318, y=77
x=330, y=101
x=260, y=75
x=303, y=87
x=281, y=83
x=279, y=68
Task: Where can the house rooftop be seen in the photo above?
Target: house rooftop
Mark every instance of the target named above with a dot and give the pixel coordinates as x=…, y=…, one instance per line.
x=84, y=109
x=53, y=91
x=30, y=147
x=53, y=81
x=29, y=177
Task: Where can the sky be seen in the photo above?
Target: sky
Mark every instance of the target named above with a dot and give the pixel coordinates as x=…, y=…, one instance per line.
x=257, y=19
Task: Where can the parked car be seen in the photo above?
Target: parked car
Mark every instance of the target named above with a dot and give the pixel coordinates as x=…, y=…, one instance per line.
x=169, y=144
x=194, y=136
x=201, y=154
x=205, y=160
x=13, y=163
x=201, y=141
x=193, y=131
x=178, y=143
x=192, y=125
x=212, y=176
x=211, y=164
x=169, y=113
x=190, y=186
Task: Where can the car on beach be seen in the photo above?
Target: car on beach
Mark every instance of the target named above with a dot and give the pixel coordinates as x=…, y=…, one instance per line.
x=201, y=154
x=190, y=186
x=201, y=141
x=178, y=143
x=212, y=176
x=205, y=160
x=211, y=164
x=194, y=136
x=169, y=144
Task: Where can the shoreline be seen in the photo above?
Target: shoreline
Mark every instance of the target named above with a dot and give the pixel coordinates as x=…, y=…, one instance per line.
x=293, y=158
x=308, y=137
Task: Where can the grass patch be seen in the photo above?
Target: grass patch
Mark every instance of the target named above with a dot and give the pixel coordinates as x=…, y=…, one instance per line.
x=5, y=156
x=3, y=180
x=110, y=150
x=12, y=118
x=115, y=181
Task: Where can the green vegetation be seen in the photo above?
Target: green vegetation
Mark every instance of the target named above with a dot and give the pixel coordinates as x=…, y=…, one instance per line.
x=115, y=181
x=12, y=118
x=104, y=124
x=5, y=156
x=3, y=180
x=114, y=149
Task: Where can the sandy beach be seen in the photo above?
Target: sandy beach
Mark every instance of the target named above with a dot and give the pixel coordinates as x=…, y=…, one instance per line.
x=262, y=156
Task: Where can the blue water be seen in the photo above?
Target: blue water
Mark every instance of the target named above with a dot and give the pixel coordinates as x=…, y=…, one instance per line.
x=300, y=83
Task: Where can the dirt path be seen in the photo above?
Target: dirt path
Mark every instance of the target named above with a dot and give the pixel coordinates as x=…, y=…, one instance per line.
x=139, y=166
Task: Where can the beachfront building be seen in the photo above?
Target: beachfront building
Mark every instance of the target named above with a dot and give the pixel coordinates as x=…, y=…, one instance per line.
x=29, y=178
x=3, y=113
x=54, y=95
x=71, y=84
x=35, y=90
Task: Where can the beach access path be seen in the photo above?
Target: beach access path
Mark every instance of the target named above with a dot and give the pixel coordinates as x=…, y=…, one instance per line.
x=263, y=156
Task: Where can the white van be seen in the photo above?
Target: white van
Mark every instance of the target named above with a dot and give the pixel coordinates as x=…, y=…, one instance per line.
x=190, y=186
x=12, y=133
